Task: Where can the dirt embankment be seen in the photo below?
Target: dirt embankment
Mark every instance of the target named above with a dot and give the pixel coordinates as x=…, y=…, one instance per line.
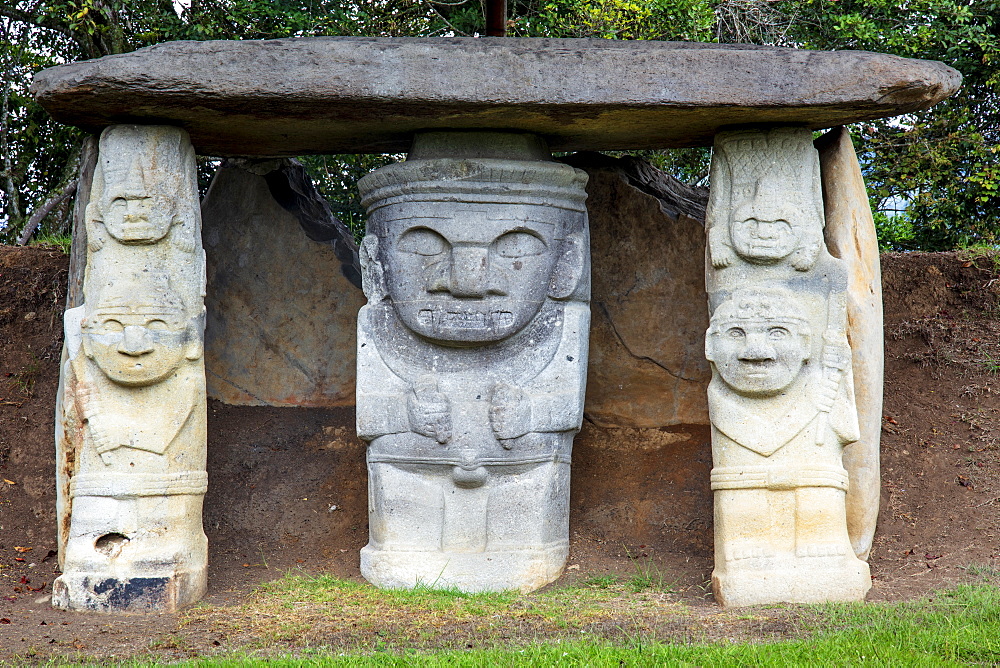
x=289, y=485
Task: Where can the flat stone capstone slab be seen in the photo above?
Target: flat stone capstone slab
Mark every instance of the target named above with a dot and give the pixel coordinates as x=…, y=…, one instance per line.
x=369, y=95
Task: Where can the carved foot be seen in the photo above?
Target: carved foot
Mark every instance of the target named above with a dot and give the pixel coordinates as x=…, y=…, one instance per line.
x=739, y=550
x=821, y=550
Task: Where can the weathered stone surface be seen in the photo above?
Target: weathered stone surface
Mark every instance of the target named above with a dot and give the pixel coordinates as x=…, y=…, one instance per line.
x=647, y=356
x=78, y=250
x=781, y=400
x=281, y=308
x=131, y=430
x=850, y=236
x=472, y=358
x=369, y=95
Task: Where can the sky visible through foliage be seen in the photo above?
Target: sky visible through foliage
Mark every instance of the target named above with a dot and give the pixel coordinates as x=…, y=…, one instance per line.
x=933, y=177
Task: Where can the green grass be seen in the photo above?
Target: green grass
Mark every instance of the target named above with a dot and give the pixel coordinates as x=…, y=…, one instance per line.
x=62, y=241
x=959, y=627
x=294, y=589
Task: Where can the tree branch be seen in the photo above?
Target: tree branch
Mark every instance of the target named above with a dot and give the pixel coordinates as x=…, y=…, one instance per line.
x=48, y=24
x=45, y=209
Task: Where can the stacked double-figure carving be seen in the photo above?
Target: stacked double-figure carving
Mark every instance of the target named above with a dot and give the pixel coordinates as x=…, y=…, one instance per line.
x=132, y=412
x=781, y=399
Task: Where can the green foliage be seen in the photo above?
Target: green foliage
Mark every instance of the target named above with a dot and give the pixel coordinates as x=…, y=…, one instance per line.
x=895, y=231
x=61, y=241
x=942, y=165
x=687, y=20
x=943, y=162
x=37, y=155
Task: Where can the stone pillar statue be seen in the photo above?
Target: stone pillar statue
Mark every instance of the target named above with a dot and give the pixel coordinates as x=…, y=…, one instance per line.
x=131, y=422
x=781, y=399
x=472, y=359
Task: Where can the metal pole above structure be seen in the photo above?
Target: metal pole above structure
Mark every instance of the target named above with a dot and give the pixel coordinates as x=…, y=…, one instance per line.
x=496, y=18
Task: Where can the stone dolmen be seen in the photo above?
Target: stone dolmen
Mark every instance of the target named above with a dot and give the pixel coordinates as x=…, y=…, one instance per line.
x=472, y=349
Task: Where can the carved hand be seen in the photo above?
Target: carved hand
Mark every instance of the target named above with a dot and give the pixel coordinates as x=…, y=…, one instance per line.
x=825, y=393
x=720, y=252
x=836, y=356
x=181, y=236
x=96, y=414
x=510, y=413
x=429, y=410
x=804, y=258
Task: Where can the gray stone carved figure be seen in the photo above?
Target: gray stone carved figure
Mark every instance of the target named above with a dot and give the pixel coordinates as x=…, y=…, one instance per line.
x=472, y=355
x=132, y=414
x=781, y=400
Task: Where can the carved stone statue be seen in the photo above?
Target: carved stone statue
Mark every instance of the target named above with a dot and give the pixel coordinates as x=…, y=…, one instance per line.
x=472, y=355
x=141, y=190
x=131, y=438
x=781, y=400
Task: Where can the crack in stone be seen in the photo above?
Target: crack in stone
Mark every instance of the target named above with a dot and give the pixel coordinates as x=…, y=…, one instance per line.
x=604, y=309
x=241, y=389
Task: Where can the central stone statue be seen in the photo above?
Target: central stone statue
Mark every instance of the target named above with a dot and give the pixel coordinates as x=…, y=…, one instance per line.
x=472, y=360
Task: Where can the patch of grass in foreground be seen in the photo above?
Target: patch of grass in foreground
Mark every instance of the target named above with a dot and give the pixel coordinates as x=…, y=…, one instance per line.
x=295, y=589
x=959, y=627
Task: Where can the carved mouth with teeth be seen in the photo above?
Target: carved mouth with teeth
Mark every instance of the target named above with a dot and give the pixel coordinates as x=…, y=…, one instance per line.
x=468, y=320
x=757, y=368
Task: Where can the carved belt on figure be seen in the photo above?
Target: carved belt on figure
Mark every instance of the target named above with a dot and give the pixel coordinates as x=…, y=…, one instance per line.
x=778, y=478
x=469, y=464
x=131, y=485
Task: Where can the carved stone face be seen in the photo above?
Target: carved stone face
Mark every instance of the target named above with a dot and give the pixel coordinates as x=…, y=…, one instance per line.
x=130, y=211
x=758, y=357
x=467, y=274
x=764, y=231
x=135, y=347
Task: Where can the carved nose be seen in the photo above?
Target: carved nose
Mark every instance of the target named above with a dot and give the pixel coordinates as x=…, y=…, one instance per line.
x=135, y=208
x=764, y=231
x=136, y=341
x=470, y=268
x=757, y=349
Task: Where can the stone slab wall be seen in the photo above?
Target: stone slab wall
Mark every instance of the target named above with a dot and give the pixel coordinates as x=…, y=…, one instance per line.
x=647, y=359
x=281, y=309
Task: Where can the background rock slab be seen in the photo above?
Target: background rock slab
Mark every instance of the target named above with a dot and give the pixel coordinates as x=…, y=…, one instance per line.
x=850, y=236
x=368, y=95
x=648, y=314
x=281, y=313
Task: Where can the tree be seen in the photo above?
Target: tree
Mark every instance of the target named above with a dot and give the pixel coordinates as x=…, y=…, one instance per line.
x=39, y=156
x=940, y=168
x=934, y=175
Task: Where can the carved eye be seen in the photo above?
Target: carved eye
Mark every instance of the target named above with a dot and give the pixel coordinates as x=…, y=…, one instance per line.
x=736, y=333
x=118, y=204
x=111, y=326
x=778, y=333
x=422, y=241
x=519, y=244
x=156, y=325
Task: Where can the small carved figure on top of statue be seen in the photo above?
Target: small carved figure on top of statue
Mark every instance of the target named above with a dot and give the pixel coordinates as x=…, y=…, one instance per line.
x=140, y=188
x=472, y=354
x=132, y=411
x=781, y=400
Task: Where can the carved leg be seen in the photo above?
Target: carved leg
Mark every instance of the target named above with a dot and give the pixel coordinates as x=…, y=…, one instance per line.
x=405, y=507
x=743, y=524
x=132, y=412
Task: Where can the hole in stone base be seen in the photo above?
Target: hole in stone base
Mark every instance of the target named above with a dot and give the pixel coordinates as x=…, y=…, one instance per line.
x=111, y=544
